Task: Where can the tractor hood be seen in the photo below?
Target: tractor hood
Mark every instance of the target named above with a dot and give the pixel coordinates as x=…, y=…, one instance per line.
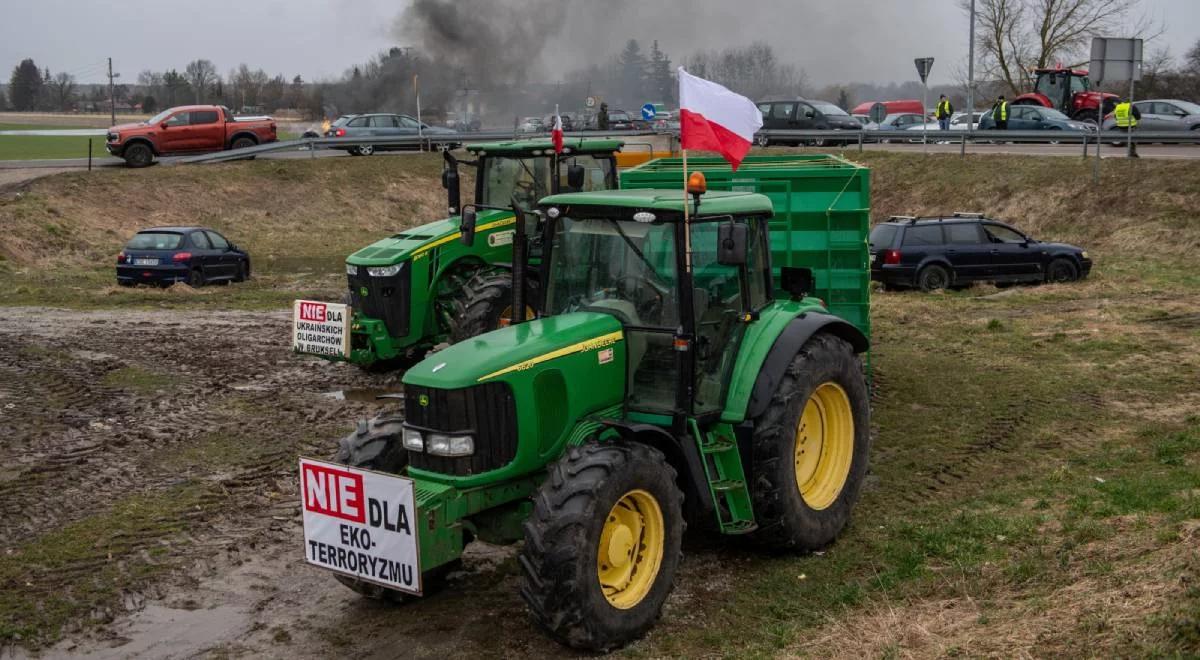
x=410, y=243
x=520, y=348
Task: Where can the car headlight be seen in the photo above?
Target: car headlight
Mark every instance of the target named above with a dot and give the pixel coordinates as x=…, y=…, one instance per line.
x=440, y=444
x=413, y=440
x=351, y=269
x=384, y=271
x=1083, y=254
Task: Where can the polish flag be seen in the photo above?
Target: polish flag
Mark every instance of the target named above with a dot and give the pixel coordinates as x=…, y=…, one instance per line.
x=713, y=118
x=556, y=134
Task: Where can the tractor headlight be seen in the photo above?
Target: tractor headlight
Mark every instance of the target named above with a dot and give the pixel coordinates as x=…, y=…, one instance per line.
x=351, y=269
x=413, y=440
x=450, y=445
x=384, y=271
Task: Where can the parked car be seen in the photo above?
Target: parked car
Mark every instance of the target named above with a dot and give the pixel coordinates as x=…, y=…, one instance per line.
x=897, y=122
x=570, y=123
x=384, y=125
x=620, y=120
x=803, y=114
x=944, y=252
x=1163, y=115
x=906, y=106
x=188, y=129
x=1036, y=118
x=195, y=255
x=531, y=125
x=958, y=122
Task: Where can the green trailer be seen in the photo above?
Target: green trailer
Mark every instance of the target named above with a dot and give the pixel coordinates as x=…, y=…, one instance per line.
x=679, y=368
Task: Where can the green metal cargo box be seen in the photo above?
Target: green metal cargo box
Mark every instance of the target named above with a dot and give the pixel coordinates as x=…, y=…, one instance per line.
x=822, y=217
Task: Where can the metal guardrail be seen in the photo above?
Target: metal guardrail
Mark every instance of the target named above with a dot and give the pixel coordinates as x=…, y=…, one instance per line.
x=773, y=136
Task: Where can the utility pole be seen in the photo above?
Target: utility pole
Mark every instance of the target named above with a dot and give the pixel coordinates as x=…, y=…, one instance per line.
x=112, y=97
x=971, y=73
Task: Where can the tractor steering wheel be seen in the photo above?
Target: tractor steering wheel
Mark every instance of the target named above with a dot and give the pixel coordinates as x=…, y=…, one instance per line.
x=646, y=305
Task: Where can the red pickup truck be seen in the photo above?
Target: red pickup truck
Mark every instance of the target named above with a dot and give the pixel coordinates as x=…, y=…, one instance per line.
x=188, y=129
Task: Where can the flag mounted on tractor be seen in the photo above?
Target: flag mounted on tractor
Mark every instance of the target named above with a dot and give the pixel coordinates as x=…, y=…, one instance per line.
x=713, y=118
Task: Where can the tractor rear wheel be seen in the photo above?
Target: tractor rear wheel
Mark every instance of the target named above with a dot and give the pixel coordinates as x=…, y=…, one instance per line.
x=603, y=544
x=376, y=444
x=483, y=304
x=810, y=448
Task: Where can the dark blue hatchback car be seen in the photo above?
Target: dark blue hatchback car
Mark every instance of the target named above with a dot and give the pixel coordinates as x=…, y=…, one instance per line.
x=195, y=255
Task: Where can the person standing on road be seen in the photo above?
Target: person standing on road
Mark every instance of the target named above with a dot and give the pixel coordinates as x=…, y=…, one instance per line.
x=1127, y=116
x=943, y=113
x=602, y=117
x=1000, y=113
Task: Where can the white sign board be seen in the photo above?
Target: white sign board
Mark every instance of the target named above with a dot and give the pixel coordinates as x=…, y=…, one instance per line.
x=360, y=523
x=590, y=102
x=320, y=328
x=1115, y=60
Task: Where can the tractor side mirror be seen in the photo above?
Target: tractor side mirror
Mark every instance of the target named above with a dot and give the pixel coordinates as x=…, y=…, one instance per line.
x=731, y=243
x=575, y=174
x=796, y=281
x=450, y=182
x=467, y=227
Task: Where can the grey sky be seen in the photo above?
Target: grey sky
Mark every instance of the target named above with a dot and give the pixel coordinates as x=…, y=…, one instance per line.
x=848, y=40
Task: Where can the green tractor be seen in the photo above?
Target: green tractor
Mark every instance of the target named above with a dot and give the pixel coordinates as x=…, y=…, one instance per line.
x=422, y=287
x=680, y=370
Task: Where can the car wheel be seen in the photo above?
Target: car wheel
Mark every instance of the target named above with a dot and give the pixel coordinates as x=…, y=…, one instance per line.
x=138, y=155
x=364, y=150
x=242, y=143
x=1052, y=141
x=243, y=272
x=762, y=140
x=126, y=283
x=1061, y=270
x=195, y=278
x=933, y=277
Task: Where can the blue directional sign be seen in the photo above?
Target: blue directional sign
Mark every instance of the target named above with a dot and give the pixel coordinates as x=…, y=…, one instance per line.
x=648, y=111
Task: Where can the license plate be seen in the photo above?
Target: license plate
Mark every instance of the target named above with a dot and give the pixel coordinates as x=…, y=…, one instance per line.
x=145, y=262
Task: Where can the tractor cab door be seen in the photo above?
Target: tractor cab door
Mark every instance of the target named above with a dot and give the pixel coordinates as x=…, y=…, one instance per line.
x=722, y=296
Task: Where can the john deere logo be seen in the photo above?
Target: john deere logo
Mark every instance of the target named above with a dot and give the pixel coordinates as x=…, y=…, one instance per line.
x=362, y=291
x=423, y=400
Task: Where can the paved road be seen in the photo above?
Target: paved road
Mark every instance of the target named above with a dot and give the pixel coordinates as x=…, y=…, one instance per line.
x=109, y=161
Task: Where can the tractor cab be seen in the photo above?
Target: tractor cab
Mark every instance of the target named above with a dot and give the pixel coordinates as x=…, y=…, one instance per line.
x=1067, y=90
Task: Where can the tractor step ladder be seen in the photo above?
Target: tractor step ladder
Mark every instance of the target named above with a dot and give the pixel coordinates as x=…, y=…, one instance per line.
x=726, y=478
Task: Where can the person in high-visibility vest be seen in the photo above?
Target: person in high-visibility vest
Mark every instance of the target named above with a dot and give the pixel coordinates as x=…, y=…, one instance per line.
x=1000, y=113
x=1127, y=116
x=943, y=113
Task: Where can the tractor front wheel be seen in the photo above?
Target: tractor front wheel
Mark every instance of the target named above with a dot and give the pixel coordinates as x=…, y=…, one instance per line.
x=603, y=545
x=810, y=448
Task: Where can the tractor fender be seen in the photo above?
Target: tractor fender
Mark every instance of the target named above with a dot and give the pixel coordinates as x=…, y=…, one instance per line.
x=799, y=331
x=683, y=454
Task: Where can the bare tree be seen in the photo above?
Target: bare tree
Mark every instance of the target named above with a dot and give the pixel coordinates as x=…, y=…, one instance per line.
x=1016, y=36
x=62, y=91
x=201, y=74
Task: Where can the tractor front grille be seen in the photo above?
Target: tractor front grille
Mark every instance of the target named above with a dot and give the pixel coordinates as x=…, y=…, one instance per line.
x=488, y=412
x=383, y=298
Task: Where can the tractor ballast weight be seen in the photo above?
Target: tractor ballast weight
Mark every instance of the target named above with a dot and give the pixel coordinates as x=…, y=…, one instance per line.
x=647, y=390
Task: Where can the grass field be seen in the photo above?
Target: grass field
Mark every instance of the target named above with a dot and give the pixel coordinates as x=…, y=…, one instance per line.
x=1035, y=480
x=47, y=147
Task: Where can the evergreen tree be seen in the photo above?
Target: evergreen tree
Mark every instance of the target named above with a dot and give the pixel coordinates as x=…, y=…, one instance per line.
x=25, y=86
x=633, y=73
x=843, y=100
x=662, y=80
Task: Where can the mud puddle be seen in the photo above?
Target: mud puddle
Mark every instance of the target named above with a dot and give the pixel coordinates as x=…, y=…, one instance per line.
x=366, y=395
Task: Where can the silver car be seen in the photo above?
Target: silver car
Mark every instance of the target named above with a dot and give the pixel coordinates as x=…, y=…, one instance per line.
x=1163, y=115
x=384, y=125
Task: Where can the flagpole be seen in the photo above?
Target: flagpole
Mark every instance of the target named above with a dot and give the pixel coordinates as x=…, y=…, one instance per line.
x=687, y=228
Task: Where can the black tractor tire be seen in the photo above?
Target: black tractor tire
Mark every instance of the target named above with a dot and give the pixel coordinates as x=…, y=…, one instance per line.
x=933, y=277
x=560, y=563
x=376, y=444
x=196, y=278
x=481, y=304
x=1061, y=270
x=786, y=522
x=138, y=154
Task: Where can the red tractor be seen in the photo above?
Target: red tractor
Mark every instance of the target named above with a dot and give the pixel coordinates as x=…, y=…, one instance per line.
x=1070, y=92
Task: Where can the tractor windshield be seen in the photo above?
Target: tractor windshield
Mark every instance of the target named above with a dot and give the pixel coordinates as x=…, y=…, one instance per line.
x=529, y=178
x=625, y=269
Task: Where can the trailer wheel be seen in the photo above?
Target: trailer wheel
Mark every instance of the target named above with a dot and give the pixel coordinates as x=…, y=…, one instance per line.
x=810, y=448
x=603, y=545
x=483, y=304
x=375, y=444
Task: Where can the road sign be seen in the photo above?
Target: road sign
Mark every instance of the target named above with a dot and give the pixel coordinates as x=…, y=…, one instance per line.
x=590, y=102
x=924, y=66
x=648, y=111
x=878, y=113
x=1115, y=60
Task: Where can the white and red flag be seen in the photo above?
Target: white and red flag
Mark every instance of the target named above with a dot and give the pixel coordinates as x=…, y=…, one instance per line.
x=556, y=133
x=713, y=118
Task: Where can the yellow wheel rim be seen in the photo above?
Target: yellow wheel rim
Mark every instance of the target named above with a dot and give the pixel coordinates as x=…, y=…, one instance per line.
x=506, y=316
x=824, y=445
x=631, y=549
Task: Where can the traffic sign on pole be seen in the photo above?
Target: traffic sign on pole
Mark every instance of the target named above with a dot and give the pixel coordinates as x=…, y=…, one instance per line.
x=648, y=112
x=924, y=66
